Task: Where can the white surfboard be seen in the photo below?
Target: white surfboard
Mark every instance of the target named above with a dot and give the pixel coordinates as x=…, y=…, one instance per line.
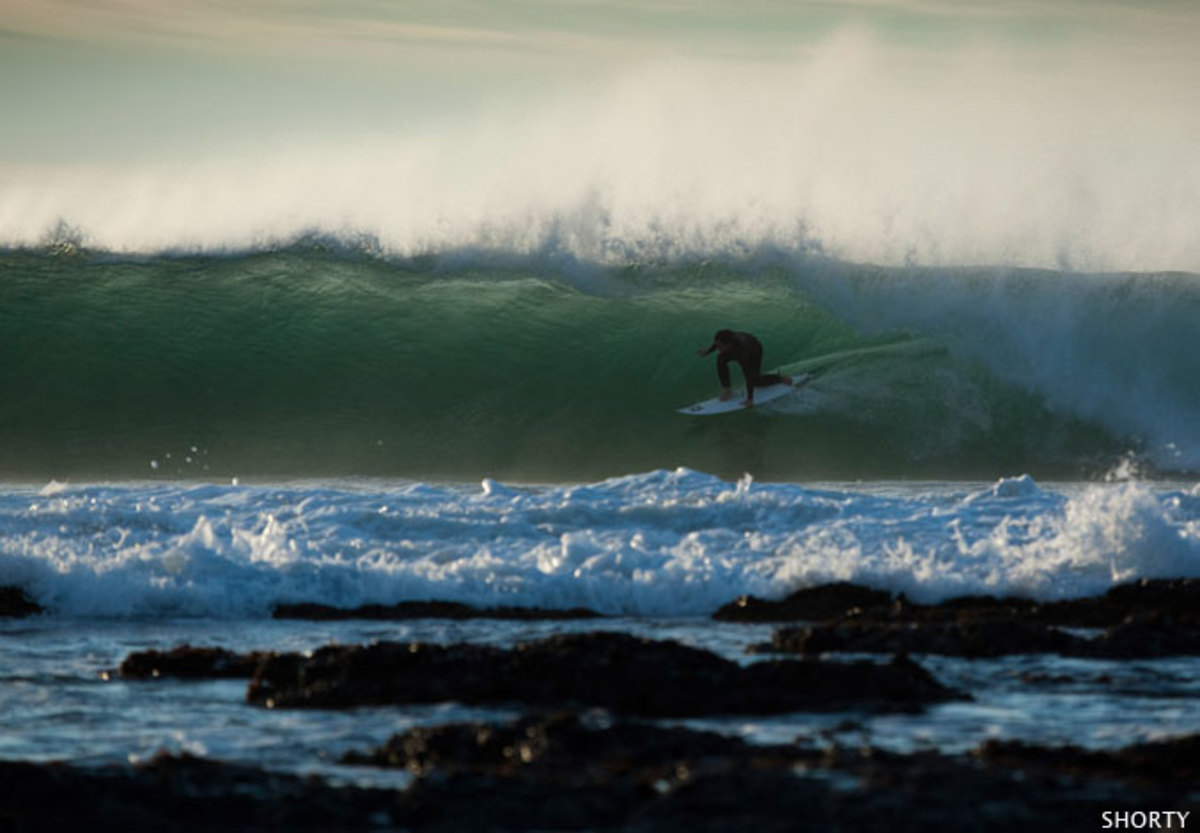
x=711, y=407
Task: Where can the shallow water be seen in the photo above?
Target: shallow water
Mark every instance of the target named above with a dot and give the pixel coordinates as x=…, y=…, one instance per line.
x=58, y=707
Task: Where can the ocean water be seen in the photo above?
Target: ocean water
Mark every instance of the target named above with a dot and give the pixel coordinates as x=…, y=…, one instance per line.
x=299, y=304
x=139, y=565
x=323, y=358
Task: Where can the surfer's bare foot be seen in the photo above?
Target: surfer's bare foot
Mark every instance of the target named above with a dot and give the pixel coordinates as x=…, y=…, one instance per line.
x=726, y=395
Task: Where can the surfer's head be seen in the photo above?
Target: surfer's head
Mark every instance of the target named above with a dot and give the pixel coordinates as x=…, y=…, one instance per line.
x=723, y=339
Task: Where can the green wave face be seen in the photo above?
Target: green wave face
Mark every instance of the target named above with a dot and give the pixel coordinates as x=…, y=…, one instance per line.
x=315, y=362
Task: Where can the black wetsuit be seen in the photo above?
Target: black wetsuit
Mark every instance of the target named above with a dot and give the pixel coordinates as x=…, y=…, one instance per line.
x=747, y=351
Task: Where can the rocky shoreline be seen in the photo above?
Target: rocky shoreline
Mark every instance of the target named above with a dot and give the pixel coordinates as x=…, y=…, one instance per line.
x=613, y=671
x=595, y=749
x=1141, y=620
x=571, y=771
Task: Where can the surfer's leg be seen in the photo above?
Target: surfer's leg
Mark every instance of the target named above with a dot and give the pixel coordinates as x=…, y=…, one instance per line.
x=753, y=369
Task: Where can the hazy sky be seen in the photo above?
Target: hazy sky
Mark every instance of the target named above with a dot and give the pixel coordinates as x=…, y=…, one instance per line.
x=1031, y=132
x=133, y=77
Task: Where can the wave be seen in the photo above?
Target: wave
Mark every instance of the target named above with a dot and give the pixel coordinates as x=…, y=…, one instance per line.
x=664, y=543
x=326, y=357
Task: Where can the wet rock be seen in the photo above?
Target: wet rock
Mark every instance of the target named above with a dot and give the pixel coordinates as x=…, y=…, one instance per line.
x=1173, y=761
x=615, y=671
x=426, y=610
x=1144, y=619
x=14, y=603
x=964, y=609
x=968, y=639
x=1143, y=637
x=188, y=663
x=816, y=604
x=182, y=793
x=567, y=748
x=581, y=775
x=1179, y=598
x=1148, y=635
x=558, y=772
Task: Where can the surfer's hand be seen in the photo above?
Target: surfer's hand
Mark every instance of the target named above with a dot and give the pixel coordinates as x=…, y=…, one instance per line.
x=702, y=352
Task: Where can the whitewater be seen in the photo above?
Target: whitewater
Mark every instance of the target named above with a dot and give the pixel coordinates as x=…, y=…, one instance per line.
x=663, y=544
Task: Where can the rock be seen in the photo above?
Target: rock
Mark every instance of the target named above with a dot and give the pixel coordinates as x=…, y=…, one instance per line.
x=188, y=663
x=1145, y=619
x=182, y=793
x=566, y=772
x=426, y=610
x=565, y=748
x=1143, y=637
x=816, y=604
x=14, y=603
x=557, y=772
x=835, y=602
x=1177, y=597
x=966, y=609
x=1148, y=635
x=615, y=671
x=1174, y=761
x=970, y=639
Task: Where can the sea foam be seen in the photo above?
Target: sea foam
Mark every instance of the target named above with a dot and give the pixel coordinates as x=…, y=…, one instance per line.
x=665, y=543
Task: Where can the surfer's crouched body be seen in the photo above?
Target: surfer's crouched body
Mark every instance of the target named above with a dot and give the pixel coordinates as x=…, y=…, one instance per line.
x=747, y=351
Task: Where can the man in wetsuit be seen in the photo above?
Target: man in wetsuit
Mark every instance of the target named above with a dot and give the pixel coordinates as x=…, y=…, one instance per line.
x=747, y=351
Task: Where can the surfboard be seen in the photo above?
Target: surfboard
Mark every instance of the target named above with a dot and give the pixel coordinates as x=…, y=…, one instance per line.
x=714, y=406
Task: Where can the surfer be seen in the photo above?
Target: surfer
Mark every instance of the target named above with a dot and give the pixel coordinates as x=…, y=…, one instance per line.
x=747, y=351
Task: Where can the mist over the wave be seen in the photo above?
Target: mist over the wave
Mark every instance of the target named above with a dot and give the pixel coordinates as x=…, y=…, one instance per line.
x=890, y=134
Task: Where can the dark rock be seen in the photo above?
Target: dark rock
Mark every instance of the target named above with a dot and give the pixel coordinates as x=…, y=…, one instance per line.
x=966, y=609
x=1144, y=637
x=970, y=639
x=426, y=610
x=1145, y=619
x=1174, y=761
x=189, y=663
x=558, y=773
x=1148, y=635
x=14, y=603
x=181, y=794
x=1179, y=598
x=815, y=604
x=564, y=748
x=628, y=778
x=609, y=670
